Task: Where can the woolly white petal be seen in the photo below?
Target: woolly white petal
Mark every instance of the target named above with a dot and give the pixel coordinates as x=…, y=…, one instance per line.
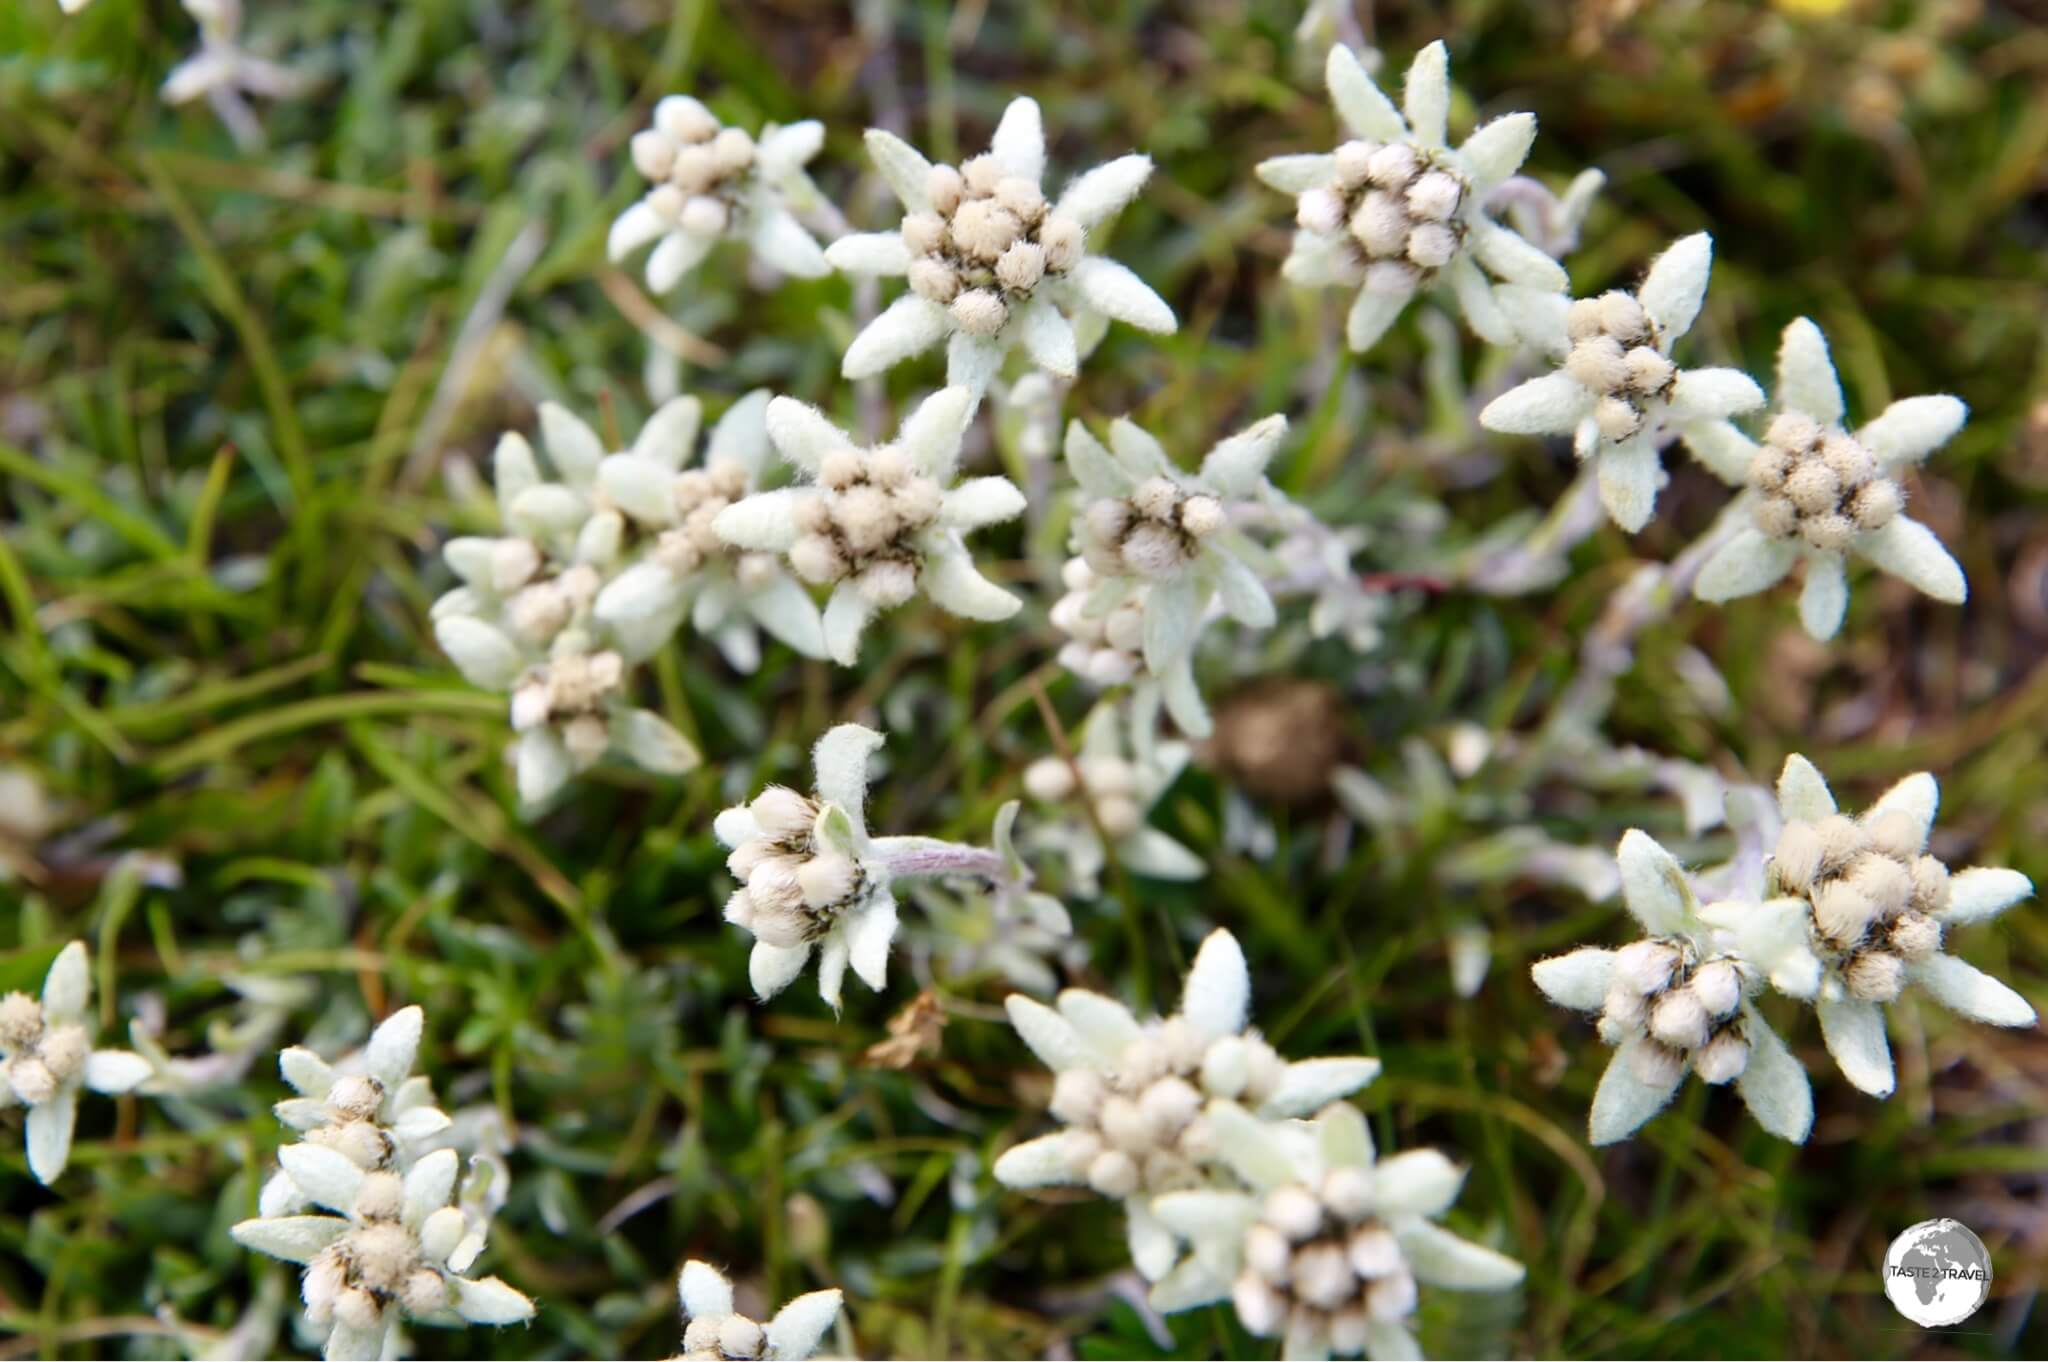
x=787, y=611
x=906, y=327
x=1912, y=428
x=1623, y=1102
x=1578, y=980
x=1440, y=1258
x=1049, y=1035
x=1497, y=150
x=489, y=1301
x=1372, y=312
x=782, y=241
x=1188, y=1286
x=1205, y=1215
x=670, y=433
x=1748, y=563
x=868, y=935
x=1508, y=254
x=1342, y=1137
x=1115, y=292
x=832, y=968
x=652, y=743
x=1981, y=893
x=1102, y=1023
x=346, y=1343
x=115, y=1071
x=1550, y=405
x=1475, y=299
x=633, y=229
x=420, y=1123
x=1138, y=450
x=1825, y=597
x=541, y=765
x=648, y=590
x=1048, y=338
x=1019, y=141
x=1237, y=464
x=981, y=501
x=847, y=613
x=1677, y=284
x=678, y=254
x=1107, y=188
x=704, y=1290
x=1042, y=1162
x=67, y=987
x=1092, y=466
x=1318, y=261
x=1774, y=1084
x=1183, y=699
x=1386, y=1341
x=1917, y=798
x=1630, y=475
x=480, y=651
x=841, y=759
x=742, y=433
x=784, y=151
x=394, y=1046
x=323, y=1176
x=794, y=1332
x=573, y=446
x=1298, y=173
x=1909, y=551
x=1309, y=1085
x=953, y=583
x=765, y=521
x=1366, y=111
x=903, y=166
x=1244, y=596
x=640, y=486
x=1173, y=615
x=770, y=968
x=1806, y=375
x=735, y=825
x=1426, y=97
x=1967, y=991
x=1537, y=316
x=1652, y=884
x=50, y=1123
x=972, y=361
x=294, y=1238
x=1247, y=1145
x=429, y=1183
x=1854, y=1031
x=301, y=1113
x=1153, y=1247
x=1725, y=451
x=1713, y=394
x=932, y=433
x=203, y=71
x=1217, y=997
x=1803, y=791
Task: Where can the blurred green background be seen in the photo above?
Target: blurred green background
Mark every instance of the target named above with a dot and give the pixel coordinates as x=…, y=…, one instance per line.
x=231, y=441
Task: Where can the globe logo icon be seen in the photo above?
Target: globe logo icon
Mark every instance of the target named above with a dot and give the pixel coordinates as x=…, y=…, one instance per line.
x=1938, y=1273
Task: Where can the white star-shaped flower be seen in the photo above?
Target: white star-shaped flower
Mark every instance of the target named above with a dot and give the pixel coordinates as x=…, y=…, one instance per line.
x=1325, y=1243
x=1676, y=1001
x=47, y=1059
x=1397, y=210
x=223, y=70
x=1814, y=491
x=713, y=1329
x=878, y=525
x=1130, y=1094
x=1617, y=392
x=992, y=264
x=1858, y=909
x=1119, y=790
x=712, y=182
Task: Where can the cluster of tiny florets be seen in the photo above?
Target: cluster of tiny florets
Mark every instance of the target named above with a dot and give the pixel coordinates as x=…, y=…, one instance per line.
x=1318, y=1261
x=378, y=1262
x=1689, y=1006
x=696, y=165
x=1818, y=484
x=699, y=495
x=572, y=690
x=989, y=240
x=1109, y=783
x=1106, y=649
x=1398, y=204
x=354, y=1127
x=39, y=1058
x=540, y=604
x=862, y=520
x=791, y=888
x=1873, y=894
x=1153, y=533
x=1615, y=354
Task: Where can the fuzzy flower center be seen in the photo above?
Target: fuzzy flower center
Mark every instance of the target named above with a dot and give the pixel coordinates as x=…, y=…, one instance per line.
x=1872, y=892
x=1107, y=649
x=1401, y=207
x=732, y=1338
x=1818, y=484
x=699, y=494
x=862, y=522
x=1154, y=533
x=989, y=240
x=1687, y=1006
x=1617, y=355
x=792, y=889
x=1109, y=783
x=538, y=610
x=698, y=167
x=1139, y=1128
x=1320, y=1261
x=572, y=690
x=40, y=1058
x=376, y=1264
x=352, y=1129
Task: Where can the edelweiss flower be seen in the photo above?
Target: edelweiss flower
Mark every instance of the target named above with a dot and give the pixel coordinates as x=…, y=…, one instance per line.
x=396, y=1248
x=1130, y=1094
x=881, y=524
x=223, y=71
x=712, y=182
x=1677, y=1000
x=991, y=264
x=1002, y=925
x=1120, y=792
x=1858, y=912
x=1819, y=493
x=1396, y=209
x=716, y=1330
x=46, y=1057
x=1617, y=392
x=1326, y=1243
x=371, y=1108
x=686, y=567
x=1159, y=548
x=523, y=619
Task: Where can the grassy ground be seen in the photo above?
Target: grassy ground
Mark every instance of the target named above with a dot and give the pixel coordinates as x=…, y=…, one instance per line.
x=220, y=518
